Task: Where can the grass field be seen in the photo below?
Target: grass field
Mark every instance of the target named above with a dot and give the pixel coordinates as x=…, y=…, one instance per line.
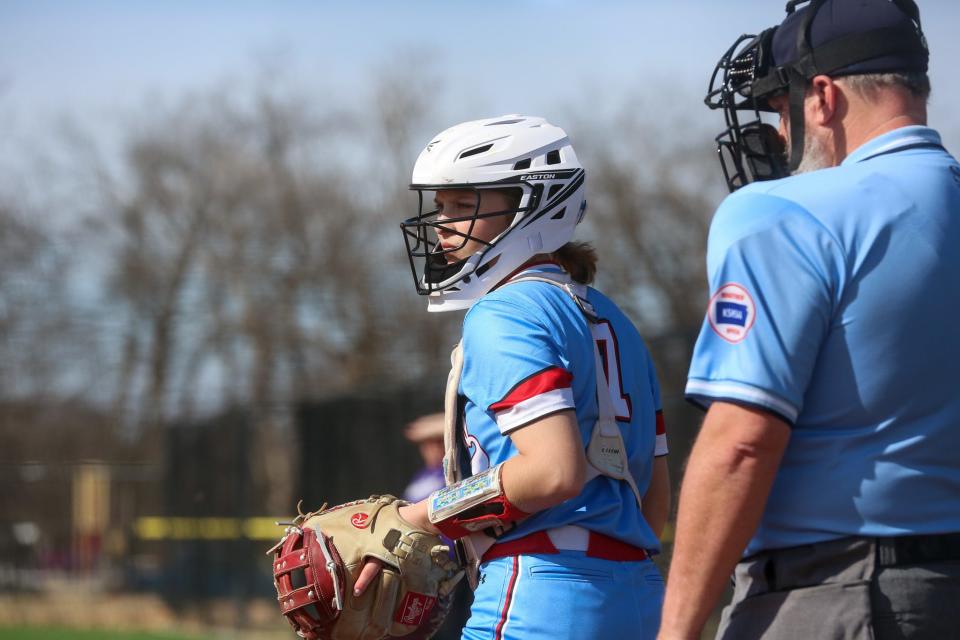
x=33, y=633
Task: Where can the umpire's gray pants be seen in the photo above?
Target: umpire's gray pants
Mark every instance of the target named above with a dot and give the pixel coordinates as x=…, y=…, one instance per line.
x=842, y=589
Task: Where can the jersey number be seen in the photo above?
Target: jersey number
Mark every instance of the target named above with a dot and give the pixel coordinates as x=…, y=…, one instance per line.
x=610, y=357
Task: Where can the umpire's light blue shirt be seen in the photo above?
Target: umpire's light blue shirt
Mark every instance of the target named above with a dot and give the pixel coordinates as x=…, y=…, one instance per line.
x=836, y=305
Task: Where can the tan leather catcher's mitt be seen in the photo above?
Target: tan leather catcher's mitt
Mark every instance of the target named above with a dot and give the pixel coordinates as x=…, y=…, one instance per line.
x=320, y=556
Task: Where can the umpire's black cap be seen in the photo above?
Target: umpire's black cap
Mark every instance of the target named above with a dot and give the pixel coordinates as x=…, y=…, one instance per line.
x=852, y=37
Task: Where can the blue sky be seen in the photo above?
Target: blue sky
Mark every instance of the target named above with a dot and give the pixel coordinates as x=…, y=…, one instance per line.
x=96, y=59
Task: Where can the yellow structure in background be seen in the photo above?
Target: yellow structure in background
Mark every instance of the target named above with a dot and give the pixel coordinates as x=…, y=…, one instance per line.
x=91, y=499
x=262, y=528
x=91, y=511
x=161, y=528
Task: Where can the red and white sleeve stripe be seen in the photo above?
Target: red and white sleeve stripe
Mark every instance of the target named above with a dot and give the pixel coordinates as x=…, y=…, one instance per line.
x=541, y=394
x=660, y=448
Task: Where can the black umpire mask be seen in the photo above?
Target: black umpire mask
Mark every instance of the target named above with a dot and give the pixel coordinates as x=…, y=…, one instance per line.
x=826, y=37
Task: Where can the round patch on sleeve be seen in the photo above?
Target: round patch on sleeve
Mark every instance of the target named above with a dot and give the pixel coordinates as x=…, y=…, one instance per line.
x=731, y=312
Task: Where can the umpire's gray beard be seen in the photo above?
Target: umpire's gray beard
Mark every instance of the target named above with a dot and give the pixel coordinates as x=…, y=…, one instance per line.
x=816, y=155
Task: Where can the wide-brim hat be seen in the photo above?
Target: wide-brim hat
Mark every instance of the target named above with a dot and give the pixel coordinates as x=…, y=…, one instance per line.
x=428, y=427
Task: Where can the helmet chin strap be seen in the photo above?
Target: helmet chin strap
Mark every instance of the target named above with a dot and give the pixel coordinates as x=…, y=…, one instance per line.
x=798, y=93
x=807, y=67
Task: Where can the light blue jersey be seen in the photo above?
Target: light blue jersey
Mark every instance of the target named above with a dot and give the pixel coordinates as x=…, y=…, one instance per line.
x=835, y=302
x=528, y=353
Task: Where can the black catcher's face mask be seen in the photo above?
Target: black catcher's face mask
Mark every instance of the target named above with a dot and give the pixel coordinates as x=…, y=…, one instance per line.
x=749, y=150
x=747, y=76
x=432, y=262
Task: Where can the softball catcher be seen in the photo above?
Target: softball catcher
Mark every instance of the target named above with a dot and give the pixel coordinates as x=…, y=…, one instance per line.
x=557, y=484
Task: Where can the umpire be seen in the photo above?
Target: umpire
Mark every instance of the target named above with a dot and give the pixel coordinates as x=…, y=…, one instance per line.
x=826, y=475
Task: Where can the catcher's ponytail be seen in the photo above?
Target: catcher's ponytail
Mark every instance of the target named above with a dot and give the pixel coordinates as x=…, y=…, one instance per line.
x=579, y=259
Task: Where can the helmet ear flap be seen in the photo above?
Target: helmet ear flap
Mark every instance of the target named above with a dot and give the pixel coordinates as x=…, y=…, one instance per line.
x=536, y=243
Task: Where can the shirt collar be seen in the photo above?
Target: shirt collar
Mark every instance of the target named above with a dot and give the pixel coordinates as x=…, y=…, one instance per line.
x=533, y=267
x=545, y=265
x=893, y=140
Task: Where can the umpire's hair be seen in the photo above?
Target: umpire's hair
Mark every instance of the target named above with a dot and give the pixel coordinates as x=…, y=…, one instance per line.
x=579, y=259
x=869, y=85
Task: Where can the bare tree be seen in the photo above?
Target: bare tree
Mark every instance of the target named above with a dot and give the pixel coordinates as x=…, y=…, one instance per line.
x=257, y=254
x=36, y=332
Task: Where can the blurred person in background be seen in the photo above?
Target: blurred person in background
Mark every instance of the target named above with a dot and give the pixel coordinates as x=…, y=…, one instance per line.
x=828, y=455
x=427, y=433
x=557, y=483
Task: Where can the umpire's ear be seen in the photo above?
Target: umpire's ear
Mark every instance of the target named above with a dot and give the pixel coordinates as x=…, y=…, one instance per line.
x=826, y=103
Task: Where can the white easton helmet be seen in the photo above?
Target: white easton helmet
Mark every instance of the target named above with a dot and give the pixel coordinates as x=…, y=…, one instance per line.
x=513, y=151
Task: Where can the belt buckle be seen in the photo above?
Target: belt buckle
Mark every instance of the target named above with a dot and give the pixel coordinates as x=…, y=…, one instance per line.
x=887, y=552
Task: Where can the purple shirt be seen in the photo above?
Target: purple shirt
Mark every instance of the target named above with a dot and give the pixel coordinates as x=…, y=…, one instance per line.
x=425, y=482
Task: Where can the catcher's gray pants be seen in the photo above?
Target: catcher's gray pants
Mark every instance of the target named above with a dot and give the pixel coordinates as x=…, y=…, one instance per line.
x=850, y=589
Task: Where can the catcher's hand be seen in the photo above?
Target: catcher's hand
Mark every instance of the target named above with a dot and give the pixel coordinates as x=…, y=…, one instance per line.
x=317, y=562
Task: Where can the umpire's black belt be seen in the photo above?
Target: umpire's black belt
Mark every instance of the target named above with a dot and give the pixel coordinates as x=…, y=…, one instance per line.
x=844, y=559
x=904, y=550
